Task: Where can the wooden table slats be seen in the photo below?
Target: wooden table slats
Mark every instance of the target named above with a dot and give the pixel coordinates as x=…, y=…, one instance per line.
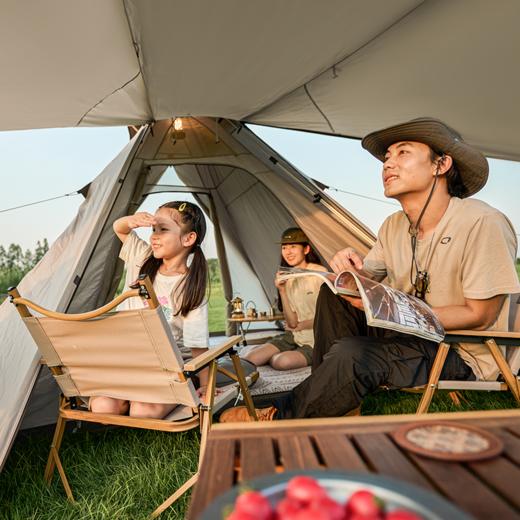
x=485, y=489
x=502, y=475
x=338, y=452
x=297, y=452
x=459, y=485
x=511, y=444
x=217, y=473
x=384, y=456
x=257, y=458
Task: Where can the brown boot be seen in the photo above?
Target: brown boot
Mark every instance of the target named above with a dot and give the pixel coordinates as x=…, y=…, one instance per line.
x=240, y=414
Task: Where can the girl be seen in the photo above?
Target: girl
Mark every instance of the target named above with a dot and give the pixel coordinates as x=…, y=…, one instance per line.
x=178, y=230
x=298, y=301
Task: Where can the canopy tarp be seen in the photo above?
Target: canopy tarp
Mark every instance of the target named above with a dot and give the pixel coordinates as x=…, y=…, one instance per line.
x=343, y=67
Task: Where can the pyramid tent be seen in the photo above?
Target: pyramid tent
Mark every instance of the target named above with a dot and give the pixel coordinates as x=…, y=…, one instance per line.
x=250, y=193
x=344, y=67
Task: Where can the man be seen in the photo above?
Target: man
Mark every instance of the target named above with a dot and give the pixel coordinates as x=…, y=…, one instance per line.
x=456, y=253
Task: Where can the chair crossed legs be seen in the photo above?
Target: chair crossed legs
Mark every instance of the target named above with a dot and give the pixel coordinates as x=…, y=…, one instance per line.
x=129, y=355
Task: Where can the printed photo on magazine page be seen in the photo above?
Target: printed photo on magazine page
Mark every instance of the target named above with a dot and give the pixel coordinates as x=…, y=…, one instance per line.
x=385, y=307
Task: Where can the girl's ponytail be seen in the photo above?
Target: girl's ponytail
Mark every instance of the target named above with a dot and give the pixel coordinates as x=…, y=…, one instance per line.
x=193, y=287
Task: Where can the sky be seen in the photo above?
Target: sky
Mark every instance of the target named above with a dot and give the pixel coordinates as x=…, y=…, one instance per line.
x=41, y=164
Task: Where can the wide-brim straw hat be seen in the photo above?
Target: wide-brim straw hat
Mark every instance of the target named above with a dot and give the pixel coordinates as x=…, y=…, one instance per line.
x=472, y=164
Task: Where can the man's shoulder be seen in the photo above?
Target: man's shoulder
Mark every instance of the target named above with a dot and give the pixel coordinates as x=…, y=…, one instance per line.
x=472, y=211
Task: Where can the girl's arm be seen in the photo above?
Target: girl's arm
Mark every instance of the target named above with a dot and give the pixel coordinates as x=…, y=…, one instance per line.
x=122, y=226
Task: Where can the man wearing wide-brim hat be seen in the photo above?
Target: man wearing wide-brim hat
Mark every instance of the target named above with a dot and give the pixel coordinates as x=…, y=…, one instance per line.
x=454, y=252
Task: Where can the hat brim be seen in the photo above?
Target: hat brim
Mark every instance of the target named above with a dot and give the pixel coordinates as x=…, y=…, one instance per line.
x=471, y=163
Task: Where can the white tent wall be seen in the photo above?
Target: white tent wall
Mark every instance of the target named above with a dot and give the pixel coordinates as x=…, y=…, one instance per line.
x=250, y=191
x=344, y=67
x=51, y=284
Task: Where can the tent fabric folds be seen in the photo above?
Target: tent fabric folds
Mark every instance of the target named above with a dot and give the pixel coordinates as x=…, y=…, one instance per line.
x=250, y=193
x=343, y=67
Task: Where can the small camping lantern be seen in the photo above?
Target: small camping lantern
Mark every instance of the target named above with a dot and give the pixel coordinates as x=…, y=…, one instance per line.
x=237, y=307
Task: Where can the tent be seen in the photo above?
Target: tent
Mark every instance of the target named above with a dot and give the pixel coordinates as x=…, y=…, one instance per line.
x=248, y=191
x=343, y=67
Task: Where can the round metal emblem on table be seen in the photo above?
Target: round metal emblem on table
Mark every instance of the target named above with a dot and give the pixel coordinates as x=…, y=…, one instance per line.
x=448, y=441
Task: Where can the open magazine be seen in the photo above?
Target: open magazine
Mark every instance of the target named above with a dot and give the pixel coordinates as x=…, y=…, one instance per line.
x=385, y=307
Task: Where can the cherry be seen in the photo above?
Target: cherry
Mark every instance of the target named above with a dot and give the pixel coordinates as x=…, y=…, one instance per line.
x=304, y=489
x=255, y=504
x=363, y=503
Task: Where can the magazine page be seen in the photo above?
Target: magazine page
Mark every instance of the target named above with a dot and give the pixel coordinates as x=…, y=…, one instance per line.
x=392, y=309
x=348, y=288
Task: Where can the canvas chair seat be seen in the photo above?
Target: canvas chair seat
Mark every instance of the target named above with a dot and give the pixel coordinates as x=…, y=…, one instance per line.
x=129, y=355
x=508, y=362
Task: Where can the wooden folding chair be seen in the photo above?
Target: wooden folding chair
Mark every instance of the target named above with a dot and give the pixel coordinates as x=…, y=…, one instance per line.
x=129, y=355
x=508, y=365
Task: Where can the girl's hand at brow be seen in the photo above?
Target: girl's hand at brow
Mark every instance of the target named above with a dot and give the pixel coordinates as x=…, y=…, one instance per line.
x=141, y=219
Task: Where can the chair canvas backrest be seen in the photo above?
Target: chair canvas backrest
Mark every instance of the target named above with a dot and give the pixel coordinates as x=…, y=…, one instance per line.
x=129, y=355
x=513, y=353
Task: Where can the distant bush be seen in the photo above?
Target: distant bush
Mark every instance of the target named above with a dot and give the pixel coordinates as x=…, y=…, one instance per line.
x=14, y=263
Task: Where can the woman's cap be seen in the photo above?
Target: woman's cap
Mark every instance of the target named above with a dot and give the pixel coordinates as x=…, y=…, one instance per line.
x=294, y=235
x=471, y=164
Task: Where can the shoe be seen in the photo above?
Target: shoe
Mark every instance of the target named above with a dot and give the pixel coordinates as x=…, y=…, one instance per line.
x=240, y=414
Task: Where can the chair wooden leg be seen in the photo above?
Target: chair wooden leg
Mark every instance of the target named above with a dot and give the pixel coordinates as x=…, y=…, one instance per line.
x=504, y=368
x=433, y=381
x=54, y=458
x=169, y=501
x=243, y=386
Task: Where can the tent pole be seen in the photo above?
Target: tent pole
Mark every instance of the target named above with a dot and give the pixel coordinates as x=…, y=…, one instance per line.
x=224, y=266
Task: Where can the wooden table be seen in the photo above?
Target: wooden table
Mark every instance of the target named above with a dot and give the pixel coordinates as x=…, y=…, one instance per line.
x=485, y=489
x=241, y=321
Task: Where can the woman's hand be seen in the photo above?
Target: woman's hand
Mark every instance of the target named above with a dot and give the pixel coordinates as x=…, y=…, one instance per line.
x=279, y=283
x=347, y=258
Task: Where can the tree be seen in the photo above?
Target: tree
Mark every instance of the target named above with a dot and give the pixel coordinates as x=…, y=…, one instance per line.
x=14, y=263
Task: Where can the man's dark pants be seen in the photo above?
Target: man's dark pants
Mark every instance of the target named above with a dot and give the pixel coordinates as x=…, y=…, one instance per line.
x=351, y=360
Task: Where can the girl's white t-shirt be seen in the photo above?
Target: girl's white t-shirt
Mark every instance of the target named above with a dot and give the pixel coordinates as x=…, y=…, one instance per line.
x=190, y=331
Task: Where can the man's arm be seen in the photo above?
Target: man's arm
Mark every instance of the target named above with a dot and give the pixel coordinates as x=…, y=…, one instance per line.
x=473, y=315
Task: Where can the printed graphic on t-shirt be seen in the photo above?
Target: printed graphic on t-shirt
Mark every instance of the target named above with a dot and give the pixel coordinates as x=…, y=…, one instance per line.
x=166, y=307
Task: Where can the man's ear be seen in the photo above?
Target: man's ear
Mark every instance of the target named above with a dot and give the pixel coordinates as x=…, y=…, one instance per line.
x=444, y=163
x=307, y=249
x=189, y=239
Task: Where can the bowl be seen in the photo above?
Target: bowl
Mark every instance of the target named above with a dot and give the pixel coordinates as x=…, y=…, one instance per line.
x=340, y=485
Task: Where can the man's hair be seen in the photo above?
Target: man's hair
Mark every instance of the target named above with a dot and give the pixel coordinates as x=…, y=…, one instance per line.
x=456, y=187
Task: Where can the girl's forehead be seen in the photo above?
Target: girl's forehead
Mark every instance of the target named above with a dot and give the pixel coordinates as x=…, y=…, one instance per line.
x=169, y=214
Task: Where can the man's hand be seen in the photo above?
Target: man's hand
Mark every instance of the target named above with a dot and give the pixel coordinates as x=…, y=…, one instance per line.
x=347, y=258
x=355, y=302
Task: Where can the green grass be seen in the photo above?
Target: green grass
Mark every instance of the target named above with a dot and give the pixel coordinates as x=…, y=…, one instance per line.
x=217, y=308
x=125, y=474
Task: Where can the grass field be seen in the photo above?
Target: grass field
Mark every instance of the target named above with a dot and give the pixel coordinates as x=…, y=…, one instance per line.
x=124, y=474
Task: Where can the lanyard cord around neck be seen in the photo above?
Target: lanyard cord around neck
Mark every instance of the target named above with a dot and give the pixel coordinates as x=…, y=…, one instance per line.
x=414, y=230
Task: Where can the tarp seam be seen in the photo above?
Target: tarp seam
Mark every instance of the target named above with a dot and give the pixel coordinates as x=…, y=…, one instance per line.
x=106, y=97
x=318, y=108
x=137, y=49
x=333, y=66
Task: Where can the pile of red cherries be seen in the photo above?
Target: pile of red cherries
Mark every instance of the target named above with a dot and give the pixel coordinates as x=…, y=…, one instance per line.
x=306, y=499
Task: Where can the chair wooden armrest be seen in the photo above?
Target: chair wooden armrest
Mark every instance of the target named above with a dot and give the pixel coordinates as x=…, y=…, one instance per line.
x=213, y=353
x=484, y=333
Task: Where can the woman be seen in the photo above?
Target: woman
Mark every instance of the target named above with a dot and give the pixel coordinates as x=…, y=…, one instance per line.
x=298, y=301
